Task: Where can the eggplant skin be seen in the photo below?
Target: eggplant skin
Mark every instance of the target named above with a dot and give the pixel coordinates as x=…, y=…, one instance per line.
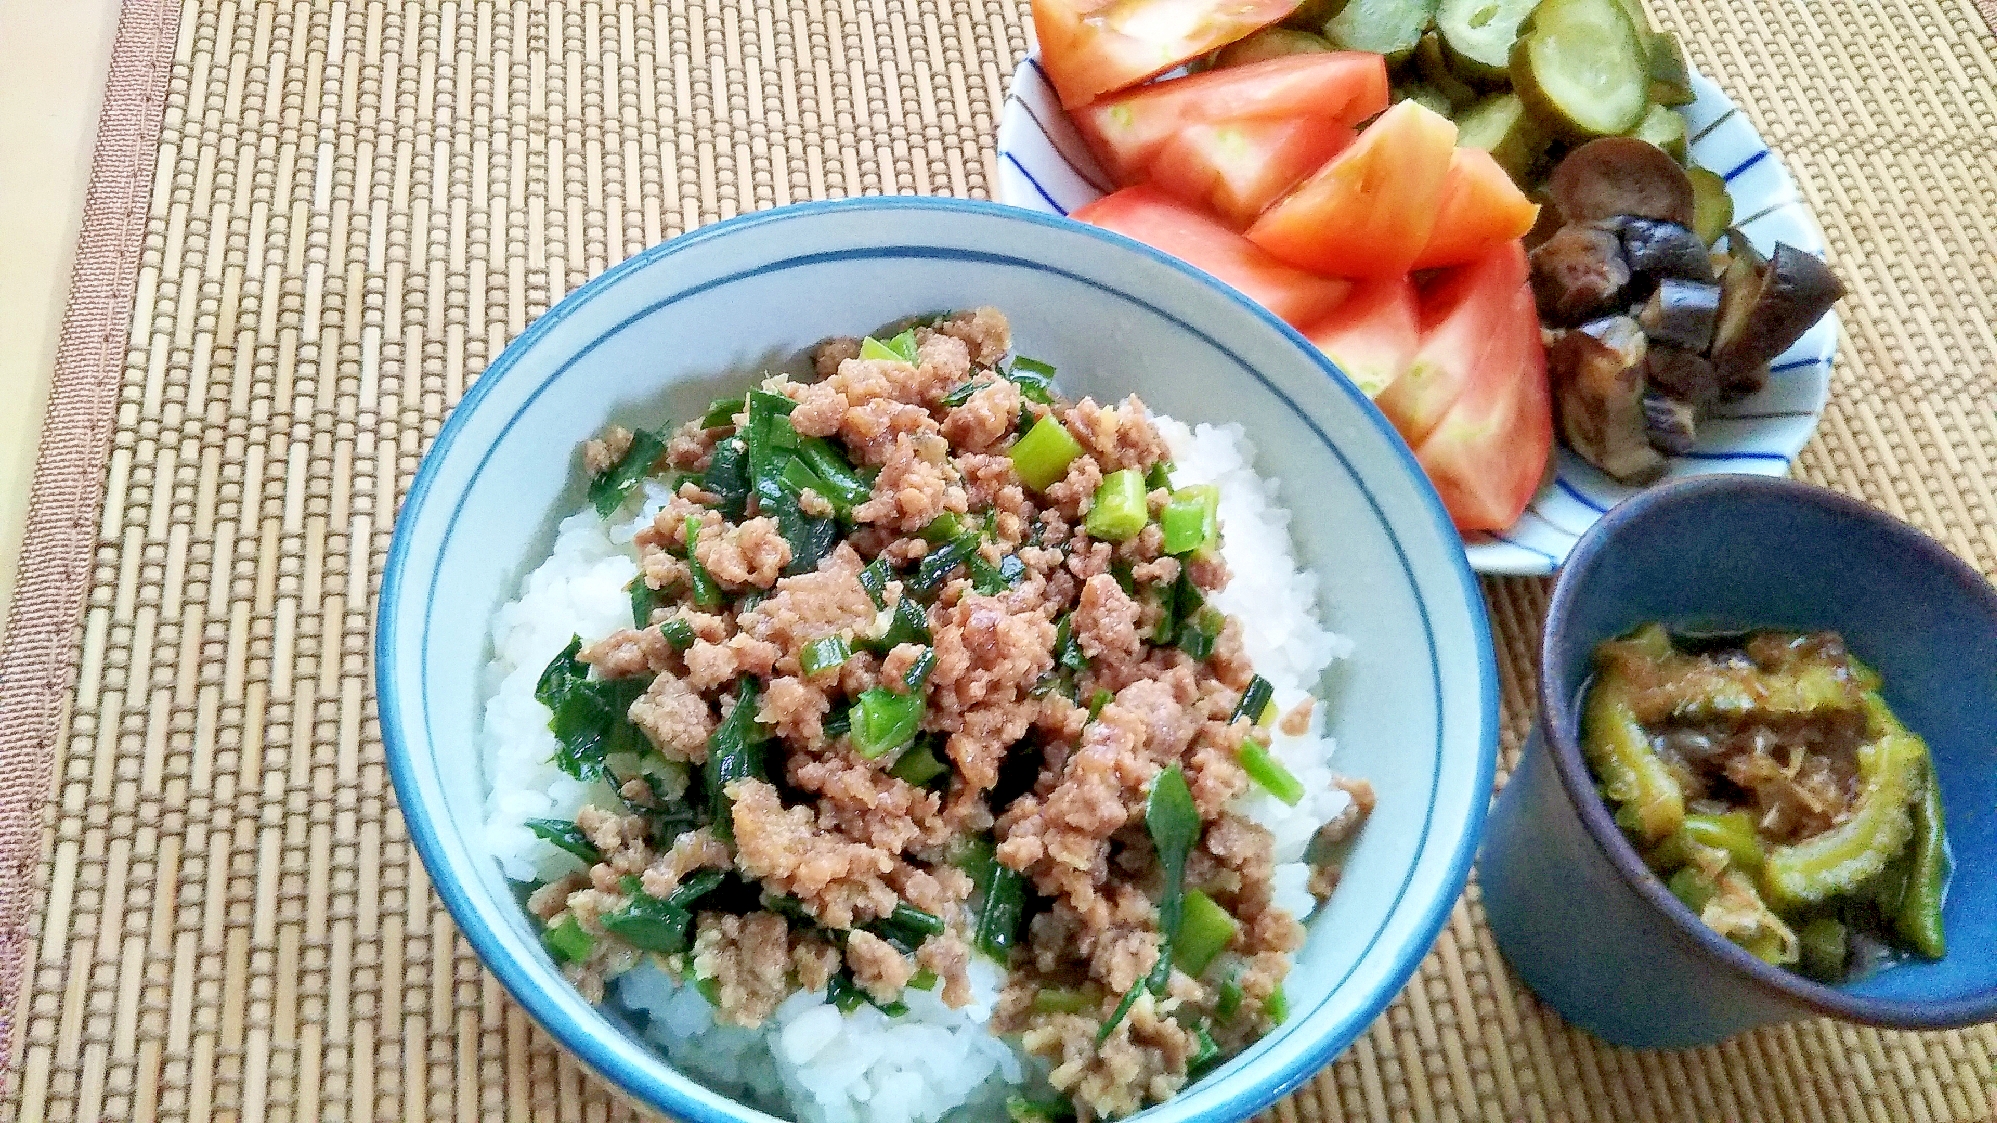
x=1686, y=375
x=1661, y=249
x=1577, y=273
x=1793, y=291
x=1682, y=314
x=1597, y=375
x=1671, y=424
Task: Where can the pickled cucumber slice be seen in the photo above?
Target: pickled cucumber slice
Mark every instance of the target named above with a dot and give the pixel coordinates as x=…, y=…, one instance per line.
x=1271, y=42
x=1670, y=75
x=1580, y=66
x=1501, y=126
x=1384, y=27
x=1478, y=35
x=1712, y=207
x=1433, y=64
x=1312, y=15
x=1664, y=128
x=1425, y=95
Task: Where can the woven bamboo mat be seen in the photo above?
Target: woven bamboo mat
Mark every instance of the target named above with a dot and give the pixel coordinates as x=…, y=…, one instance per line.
x=217, y=913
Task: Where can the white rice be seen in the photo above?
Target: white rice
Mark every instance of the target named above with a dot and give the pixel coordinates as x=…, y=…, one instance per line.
x=809, y=1060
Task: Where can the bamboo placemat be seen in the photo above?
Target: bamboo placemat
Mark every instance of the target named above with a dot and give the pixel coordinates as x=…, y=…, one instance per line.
x=217, y=913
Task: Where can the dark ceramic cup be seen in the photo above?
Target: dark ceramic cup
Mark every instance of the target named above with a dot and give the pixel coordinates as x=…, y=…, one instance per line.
x=1577, y=914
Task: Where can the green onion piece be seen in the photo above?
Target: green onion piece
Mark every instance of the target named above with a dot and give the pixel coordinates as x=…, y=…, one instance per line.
x=567, y=941
x=839, y=722
x=797, y=475
x=1159, y=476
x=914, y=920
x=939, y=563
x=710, y=989
x=1166, y=598
x=1119, y=511
x=962, y=392
x=1263, y=768
x=1034, y=378
x=924, y=979
x=841, y=991
x=909, y=624
x=942, y=528
x=1205, y=930
x=643, y=600
x=1277, y=1006
x=884, y=721
x=727, y=478
x=567, y=836
x=1229, y=1001
x=733, y=754
x=919, y=671
x=1199, y=631
x=823, y=654
x=1097, y=701
x=1067, y=649
x=842, y=485
x=678, y=632
x=1253, y=700
x=1042, y=456
x=1205, y=1056
x=919, y=765
x=1117, y=1015
x=998, y=899
x=589, y=718
x=1173, y=821
x=1060, y=1000
x=608, y=489
x=900, y=349
x=1191, y=518
x=875, y=579
x=662, y=926
x=722, y=412
x=706, y=593
x=1021, y=1109
x=904, y=344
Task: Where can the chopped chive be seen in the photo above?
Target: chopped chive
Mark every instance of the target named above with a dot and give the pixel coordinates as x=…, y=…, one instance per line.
x=643, y=600
x=904, y=344
x=1199, y=632
x=874, y=578
x=1191, y=518
x=884, y=721
x=1117, y=1015
x=910, y=624
x=1159, y=476
x=919, y=672
x=732, y=754
x=722, y=412
x=939, y=563
x=1034, y=378
x=609, y=487
x=842, y=992
x=1229, y=1001
x=839, y=722
x=1119, y=510
x=1067, y=649
x=1173, y=821
x=1097, y=701
x=1125, y=577
x=919, y=765
x=1205, y=930
x=1254, y=699
x=678, y=632
x=998, y=899
x=1263, y=768
x=943, y=528
x=727, y=478
x=1060, y=1000
x=1022, y=1109
x=567, y=836
x=710, y=989
x=589, y=717
x=842, y=486
x=706, y=593
x=823, y=654
x=1165, y=596
x=1277, y=1005
x=1205, y=1056
x=900, y=349
x=652, y=924
x=962, y=393
x=924, y=979
x=797, y=475
x=1042, y=456
x=567, y=941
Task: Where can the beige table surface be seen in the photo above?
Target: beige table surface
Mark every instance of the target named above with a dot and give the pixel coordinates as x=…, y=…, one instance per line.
x=53, y=56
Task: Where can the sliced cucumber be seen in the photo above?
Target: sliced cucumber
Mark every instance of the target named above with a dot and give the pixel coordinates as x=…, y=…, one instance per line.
x=1664, y=128
x=1271, y=42
x=1500, y=125
x=1579, y=65
x=1431, y=62
x=1637, y=17
x=1312, y=15
x=1384, y=27
x=1478, y=34
x=1425, y=95
x=1670, y=74
x=1712, y=207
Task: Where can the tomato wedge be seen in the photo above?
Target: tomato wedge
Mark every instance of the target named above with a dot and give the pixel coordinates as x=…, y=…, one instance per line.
x=1369, y=211
x=1094, y=47
x=1462, y=314
x=1481, y=207
x=1236, y=170
x=1488, y=455
x=1373, y=335
x=1126, y=132
x=1161, y=222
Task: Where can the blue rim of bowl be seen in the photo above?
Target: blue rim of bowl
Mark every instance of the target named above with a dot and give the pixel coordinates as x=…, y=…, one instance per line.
x=581, y=1039
x=1686, y=927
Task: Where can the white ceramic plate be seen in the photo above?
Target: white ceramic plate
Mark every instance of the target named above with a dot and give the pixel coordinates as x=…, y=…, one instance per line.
x=1414, y=709
x=1044, y=166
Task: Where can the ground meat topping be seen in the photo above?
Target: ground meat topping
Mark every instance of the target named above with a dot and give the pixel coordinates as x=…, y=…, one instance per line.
x=838, y=881
x=675, y=719
x=749, y=959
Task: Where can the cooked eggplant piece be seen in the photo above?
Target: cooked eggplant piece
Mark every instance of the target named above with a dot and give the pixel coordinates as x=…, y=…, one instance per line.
x=1670, y=424
x=1597, y=373
x=1578, y=273
x=1682, y=313
x=1621, y=175
x=1686, y=375
x=1765, y=307
x=1657, y=249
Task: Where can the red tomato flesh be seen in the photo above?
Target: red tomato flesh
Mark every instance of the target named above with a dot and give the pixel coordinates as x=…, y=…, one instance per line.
x=1488, y=455
x=1373, y=335
x=1369, y=211
x=1236, y=170
x=1481, y=208
x=1094, y=47
x=1462, y=314
x=1126, y=132
x=1161, y=222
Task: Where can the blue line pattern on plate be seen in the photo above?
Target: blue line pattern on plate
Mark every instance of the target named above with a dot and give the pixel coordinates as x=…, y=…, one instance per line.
x=1745, y=164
